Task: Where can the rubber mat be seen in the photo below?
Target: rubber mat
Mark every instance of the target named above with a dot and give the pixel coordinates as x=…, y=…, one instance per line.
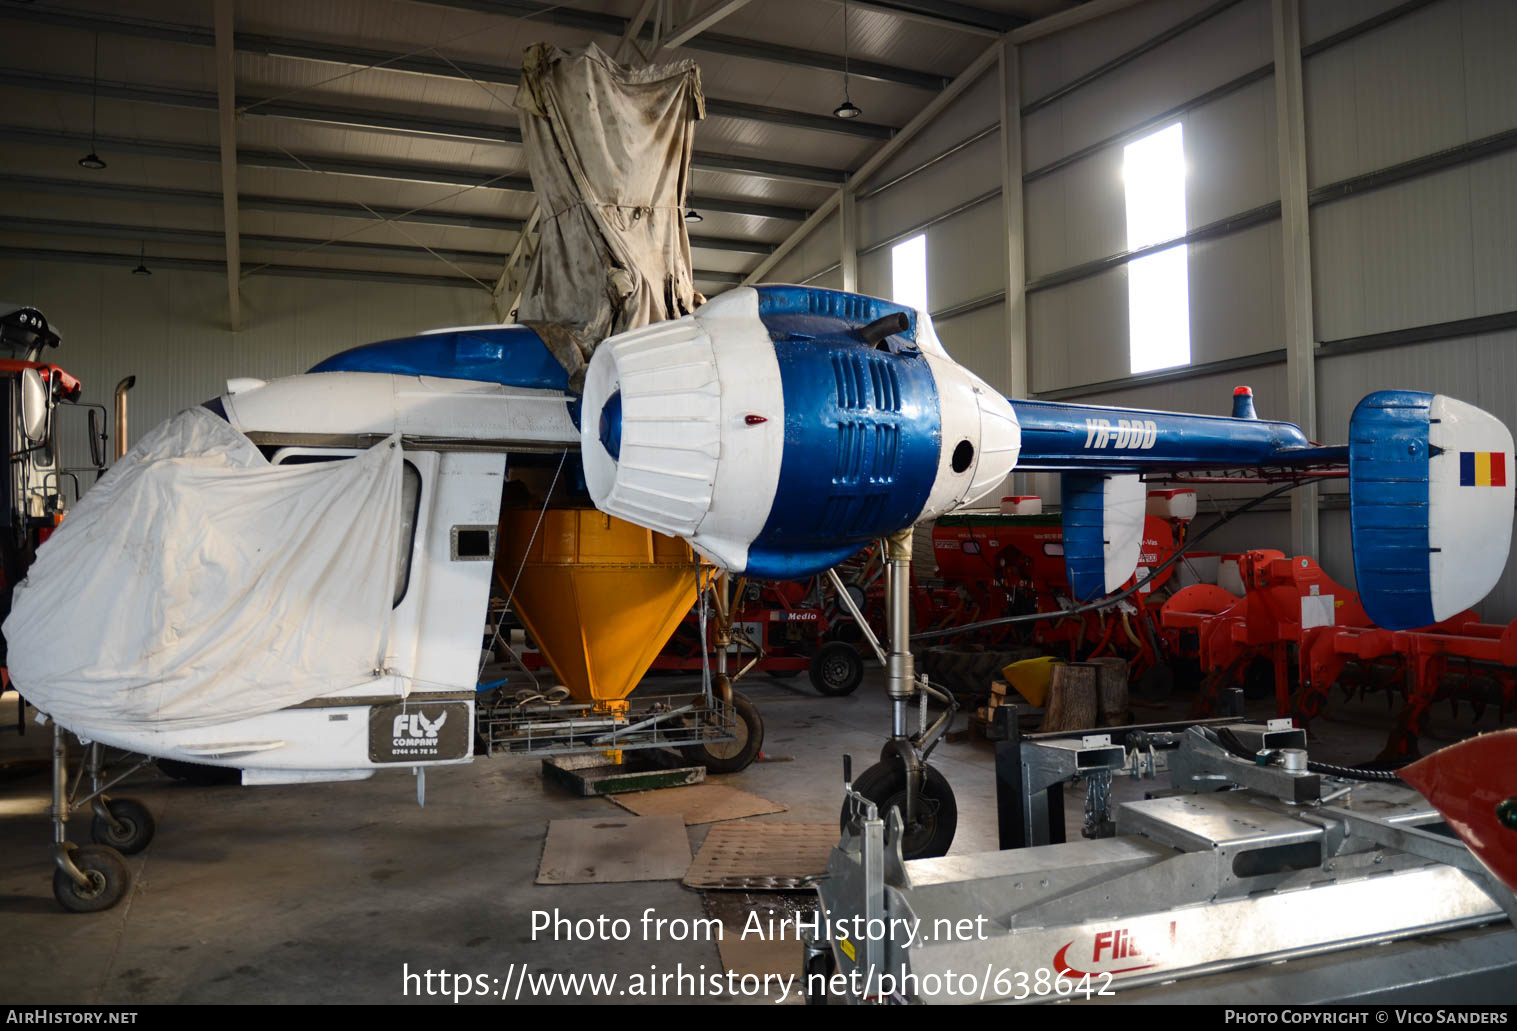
x=758, y=855
x=698, y=803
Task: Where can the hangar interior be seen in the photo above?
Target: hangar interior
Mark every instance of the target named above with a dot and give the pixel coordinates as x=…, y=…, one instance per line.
x=1133, y=203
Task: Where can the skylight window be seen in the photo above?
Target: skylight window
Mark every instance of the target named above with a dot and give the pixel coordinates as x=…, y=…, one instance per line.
x=1158, y=287
x=908, y=270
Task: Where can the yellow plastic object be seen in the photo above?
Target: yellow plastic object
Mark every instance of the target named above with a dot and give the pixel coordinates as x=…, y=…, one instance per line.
x=599, y=595
x=1030, y=677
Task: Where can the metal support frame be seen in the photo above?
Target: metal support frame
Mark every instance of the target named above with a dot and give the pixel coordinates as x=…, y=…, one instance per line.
x=226, y=104
x=698, y=23
x=1015, y=299
x=1300, y=340
x=513, y=279
x=848, y=224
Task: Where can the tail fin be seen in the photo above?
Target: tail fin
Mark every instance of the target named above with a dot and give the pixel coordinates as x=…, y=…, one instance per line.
x=1430, y=499
x=1103, y=529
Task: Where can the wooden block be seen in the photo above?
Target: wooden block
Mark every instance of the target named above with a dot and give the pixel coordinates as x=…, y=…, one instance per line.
x=998, y=688
x=1071, y=701
x=1111, y=691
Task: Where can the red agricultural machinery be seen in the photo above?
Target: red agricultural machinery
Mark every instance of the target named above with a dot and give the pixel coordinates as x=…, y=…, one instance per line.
x=1297, y=633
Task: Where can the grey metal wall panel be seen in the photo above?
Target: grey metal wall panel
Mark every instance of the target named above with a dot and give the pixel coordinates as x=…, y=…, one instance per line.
x=1490, y=65
x=1236, y=300
x=1078, y=333
x=1078, y=213
x=1075, y=215
x=1322, y=18
x=1053, y=61
x=1230, y=155
x=819, y=250
x=1397, y=257
x=977, y=340
x=1493, y=202
x=1388, y=95
x=966, y=257
x=970, y=173
x=978, y=107
x=876, y=275
x=1222, y=48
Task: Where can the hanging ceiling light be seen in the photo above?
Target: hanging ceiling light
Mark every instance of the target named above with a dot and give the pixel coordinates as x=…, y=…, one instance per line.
x=92, y=160
x=692, y=216
x=142, y=269
x=847, y=109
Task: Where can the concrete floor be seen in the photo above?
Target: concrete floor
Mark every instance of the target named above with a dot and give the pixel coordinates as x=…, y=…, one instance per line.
x=327, y=893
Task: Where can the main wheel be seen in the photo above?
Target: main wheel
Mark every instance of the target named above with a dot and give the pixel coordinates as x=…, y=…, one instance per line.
x=836, y=669
x=136, y=823
x=108, y=878
x=884, y=784
x=732, y=756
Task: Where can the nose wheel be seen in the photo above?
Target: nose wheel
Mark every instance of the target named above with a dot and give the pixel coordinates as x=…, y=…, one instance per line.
x=902, y=780
x=929, y=832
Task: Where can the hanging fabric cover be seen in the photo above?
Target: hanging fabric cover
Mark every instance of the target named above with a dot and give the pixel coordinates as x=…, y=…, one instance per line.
x=196, y=584
x=609, y=152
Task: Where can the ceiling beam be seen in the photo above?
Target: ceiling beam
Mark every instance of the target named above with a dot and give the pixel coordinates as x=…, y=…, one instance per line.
x=396, y=61
x=734, y=46
x=208, y=237
x=629, y=37
x=387, y=121
x=206, y=265
x=347, y=166
x=944, y=14
x=291, y=205
x=226, y=94
x=698, y=23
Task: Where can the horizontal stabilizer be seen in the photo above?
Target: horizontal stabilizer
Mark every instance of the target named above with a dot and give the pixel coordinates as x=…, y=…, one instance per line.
x=1103, y=528
x=1430, y=498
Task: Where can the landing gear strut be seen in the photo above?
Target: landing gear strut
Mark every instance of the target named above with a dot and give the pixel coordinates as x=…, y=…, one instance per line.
x=91, y=878
x=902, y=779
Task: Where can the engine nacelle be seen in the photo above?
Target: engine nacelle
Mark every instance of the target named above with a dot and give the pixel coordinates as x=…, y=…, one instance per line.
x=779, y=429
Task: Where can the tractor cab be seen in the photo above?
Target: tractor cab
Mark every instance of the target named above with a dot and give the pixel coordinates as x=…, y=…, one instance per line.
x=33, y=392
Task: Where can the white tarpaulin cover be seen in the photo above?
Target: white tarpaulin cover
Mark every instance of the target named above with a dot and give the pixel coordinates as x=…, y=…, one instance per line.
x=196, y=583
x=609, y=152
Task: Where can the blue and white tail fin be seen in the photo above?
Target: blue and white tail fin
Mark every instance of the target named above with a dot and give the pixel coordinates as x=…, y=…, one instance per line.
x=1103, y=529
x=1430, y=494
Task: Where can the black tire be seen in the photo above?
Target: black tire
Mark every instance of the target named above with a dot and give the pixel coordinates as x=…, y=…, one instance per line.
x=836, y=669
x=783, y=674
x=732, y=756
x=884, y=784
x=819, y=970
x=109, y=880
x=199, y=774
x=137, y=827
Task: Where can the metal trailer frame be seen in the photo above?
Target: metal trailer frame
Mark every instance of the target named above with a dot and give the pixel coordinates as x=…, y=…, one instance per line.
x=1198, y=882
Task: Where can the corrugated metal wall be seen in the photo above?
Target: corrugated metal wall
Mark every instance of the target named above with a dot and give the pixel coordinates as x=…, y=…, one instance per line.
x=169, y=330
x=1390, y=252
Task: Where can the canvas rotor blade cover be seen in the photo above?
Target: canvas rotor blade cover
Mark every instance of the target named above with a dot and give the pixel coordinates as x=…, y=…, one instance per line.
x=198, y=584
x=609, y=152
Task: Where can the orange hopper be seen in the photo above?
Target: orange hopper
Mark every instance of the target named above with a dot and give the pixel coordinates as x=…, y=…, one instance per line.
x=599, y=595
